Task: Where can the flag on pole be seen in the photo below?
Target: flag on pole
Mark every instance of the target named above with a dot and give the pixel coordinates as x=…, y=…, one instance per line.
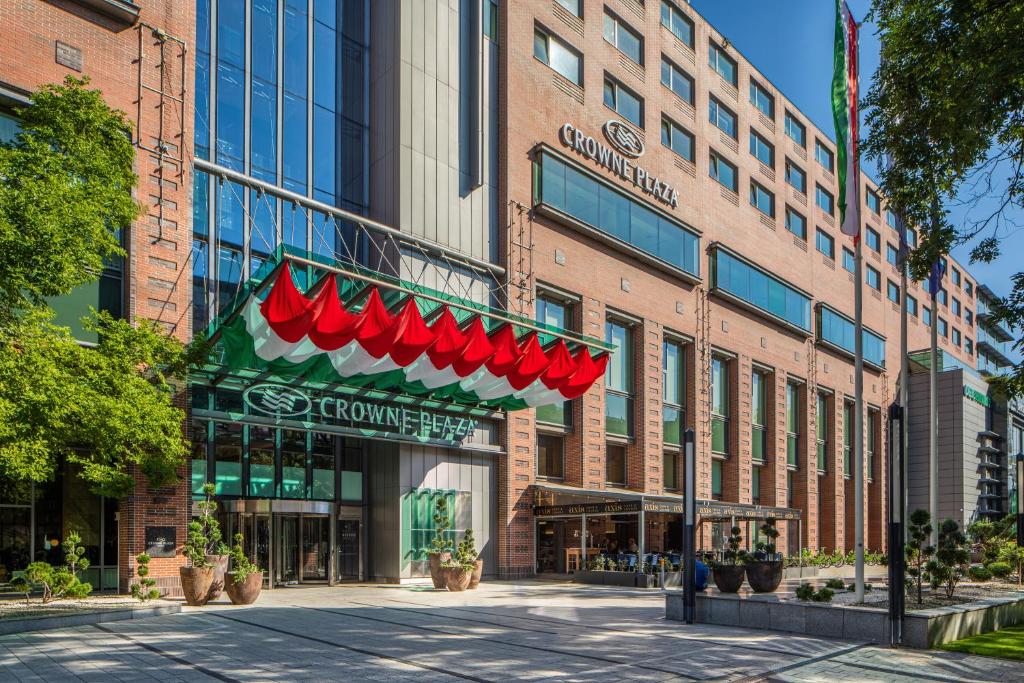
x=935, y=277
x=844, y=112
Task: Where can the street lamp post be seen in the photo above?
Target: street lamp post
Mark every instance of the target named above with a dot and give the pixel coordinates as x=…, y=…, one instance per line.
x=897, y=557
x=690, y=529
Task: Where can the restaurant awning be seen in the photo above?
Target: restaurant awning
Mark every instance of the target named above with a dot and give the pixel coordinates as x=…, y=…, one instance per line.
x=363, y=329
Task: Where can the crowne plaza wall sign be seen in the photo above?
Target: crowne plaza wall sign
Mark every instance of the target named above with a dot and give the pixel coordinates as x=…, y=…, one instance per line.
x=617, y=158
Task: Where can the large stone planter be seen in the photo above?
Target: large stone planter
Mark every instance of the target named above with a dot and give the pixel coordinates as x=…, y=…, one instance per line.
x=764, y=576
x=728, y=577
x=245, y=592
x=195, y=584
x=456, y=579
x=478, y=572
x=436, y=570
x=220, y=566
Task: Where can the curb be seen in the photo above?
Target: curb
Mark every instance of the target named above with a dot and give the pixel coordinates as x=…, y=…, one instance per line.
x=46, y=623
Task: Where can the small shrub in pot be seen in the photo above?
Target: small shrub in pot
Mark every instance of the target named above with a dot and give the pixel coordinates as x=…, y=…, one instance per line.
x=245, y=580
x=764, y=569
x=728, y=573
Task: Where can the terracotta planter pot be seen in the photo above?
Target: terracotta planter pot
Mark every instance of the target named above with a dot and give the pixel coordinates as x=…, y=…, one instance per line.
x=246, y=592
x=478, y=571
x=436, y=570
x=457, y=579
x=764, y=577
x=728, y=577
x=220, y=566
x=195, y=584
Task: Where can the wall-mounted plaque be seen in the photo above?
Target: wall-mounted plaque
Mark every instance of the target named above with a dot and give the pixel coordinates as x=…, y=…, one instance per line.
x=161, y=541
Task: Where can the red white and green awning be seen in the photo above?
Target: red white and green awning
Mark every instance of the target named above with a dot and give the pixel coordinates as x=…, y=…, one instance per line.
x=455, y=355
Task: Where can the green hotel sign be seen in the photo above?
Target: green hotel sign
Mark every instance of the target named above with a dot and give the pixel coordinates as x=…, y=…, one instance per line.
x=978, y=397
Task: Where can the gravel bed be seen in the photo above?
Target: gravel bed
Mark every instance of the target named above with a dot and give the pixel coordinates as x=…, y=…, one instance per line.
x=16, y=608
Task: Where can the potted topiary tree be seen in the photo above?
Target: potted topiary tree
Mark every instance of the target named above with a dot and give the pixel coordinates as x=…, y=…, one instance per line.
x=478, y=562
x=728, y=573
x=245, y=580
x=197, y=578
x=440, y=550
x=459, y=568
x=217, y=553
x=764, y=569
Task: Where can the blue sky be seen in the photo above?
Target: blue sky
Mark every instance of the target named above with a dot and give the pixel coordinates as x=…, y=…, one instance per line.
x=790, y=42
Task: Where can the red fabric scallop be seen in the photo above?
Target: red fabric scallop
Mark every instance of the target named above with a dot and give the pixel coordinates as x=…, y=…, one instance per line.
x=587, y=372
x=561, y=366
x=450, y=340
x=286, y=310
x=532, y=362
x=506, y=351
x=334, y=326
x=476, y=352
x=376, y=329
x=415, y=337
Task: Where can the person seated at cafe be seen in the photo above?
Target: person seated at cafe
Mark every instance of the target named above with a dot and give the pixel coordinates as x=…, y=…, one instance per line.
x=700, y=576
x=633, y=547
x=613, y=546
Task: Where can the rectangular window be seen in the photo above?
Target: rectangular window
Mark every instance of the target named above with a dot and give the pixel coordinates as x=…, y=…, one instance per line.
x=823, y=198
x=722, y=171
x=942, y=296
x=762, y=200
x=610, y=211
x=550, y=456
x=847, y=438
x=926, y=315
x=892, y=221
x=624, y=101
x=716, y=480
x=793, y=421
x=676, y=138
x=619, y=380
x=821, y=422
x=673, y=392
x=911, y=238
x=824, y=156
x=796, y=177
x=892, y=255
x=755, y=484
x=756, y=287
x=943, y=327
x=796, y=130
x=911, y=305
x=956, y=337
x=762, y=99
x=893, y=291
x=968, y=289
x=796, y=223
x=956, y=307
x=826, y=244
x=615, y=464
x=722, y=63
x=873, y=278
x=670, y=470
x=956, y=277
x=838, y=331
x=555, y=312
x=574, y=6
x=968, y=317
x=676, y=80
x=968, y=347
x=763, y=150
x=490, y=19
x=262, y=441
x=873, y=201
x=721, y=117
x=558, y=55
x=758, y=416
x=621, y=35
x=872, y=442
x=719, y=405
x=322, y=466
x=677, y=22
x=873, y=239
x=848, y=260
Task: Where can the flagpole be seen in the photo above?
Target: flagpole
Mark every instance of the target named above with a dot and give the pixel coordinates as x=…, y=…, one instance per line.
x=935, y=283
x=904, y=358
x=858, y=383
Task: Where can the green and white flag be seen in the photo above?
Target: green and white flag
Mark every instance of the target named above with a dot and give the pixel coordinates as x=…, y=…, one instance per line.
x=844, y=111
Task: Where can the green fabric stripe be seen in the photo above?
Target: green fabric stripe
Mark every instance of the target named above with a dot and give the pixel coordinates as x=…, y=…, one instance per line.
x=841, y=106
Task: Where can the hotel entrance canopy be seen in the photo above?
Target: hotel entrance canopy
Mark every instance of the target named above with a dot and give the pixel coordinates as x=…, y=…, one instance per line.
x=366, y=330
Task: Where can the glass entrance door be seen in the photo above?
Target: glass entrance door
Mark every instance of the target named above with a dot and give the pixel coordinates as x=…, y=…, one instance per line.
x=315, y=548
x=286, y=566
x=348, y=550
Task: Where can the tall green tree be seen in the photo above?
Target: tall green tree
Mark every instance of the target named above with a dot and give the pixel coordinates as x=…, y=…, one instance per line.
x=947, y=107
x=66, y=187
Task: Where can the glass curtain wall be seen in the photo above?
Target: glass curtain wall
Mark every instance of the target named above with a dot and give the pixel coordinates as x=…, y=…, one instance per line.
x=281, y=95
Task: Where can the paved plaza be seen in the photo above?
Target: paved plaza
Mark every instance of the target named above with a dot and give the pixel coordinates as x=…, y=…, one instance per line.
x=504, y=631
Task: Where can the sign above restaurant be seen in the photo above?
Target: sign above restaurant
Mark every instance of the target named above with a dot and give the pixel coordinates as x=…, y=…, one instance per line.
x=978, y=397
x=705, y=508
x=629, y=146
x=356, y=412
